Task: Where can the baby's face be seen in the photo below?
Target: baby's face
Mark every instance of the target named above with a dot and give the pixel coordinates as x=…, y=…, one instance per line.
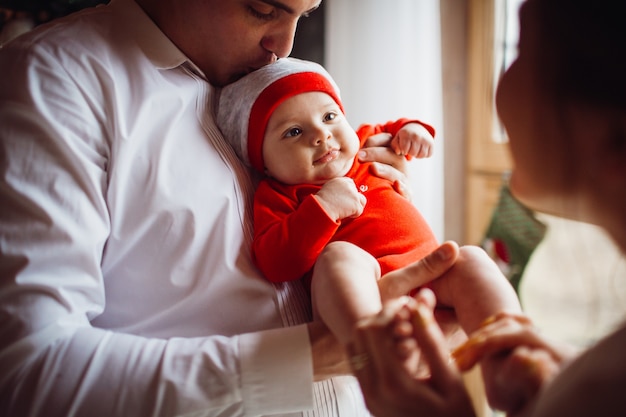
x=308, y=140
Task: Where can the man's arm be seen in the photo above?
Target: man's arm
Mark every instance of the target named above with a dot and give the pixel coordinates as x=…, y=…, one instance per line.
x=55, y=227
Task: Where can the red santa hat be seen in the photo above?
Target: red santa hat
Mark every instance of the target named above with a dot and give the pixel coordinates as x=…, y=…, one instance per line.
x=246, y=105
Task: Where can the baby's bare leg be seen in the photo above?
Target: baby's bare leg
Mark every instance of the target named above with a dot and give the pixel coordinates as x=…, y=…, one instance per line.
x=476, y=288
x=344, y=288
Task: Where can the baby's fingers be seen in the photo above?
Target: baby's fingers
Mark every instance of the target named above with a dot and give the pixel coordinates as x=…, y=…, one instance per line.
x=401, y=145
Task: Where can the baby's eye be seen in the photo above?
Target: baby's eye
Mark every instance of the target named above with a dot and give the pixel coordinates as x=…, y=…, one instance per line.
x=330, y=116
x=294, y=131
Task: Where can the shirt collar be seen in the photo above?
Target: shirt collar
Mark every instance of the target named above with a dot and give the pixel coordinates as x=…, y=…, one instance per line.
x=157, y=47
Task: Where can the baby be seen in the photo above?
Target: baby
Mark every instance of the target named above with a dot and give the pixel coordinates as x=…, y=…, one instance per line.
x=319, y=214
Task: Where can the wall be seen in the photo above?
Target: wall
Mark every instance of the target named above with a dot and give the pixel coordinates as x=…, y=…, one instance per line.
x=454, y=47
x=386, y=58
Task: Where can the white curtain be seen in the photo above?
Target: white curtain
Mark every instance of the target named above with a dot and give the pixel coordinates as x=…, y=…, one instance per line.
x=386, y=58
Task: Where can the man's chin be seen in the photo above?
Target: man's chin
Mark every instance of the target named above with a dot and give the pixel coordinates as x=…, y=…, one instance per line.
x=240, y=74
x=236, y=76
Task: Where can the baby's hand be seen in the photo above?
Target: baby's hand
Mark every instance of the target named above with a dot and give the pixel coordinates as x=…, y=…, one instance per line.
x=414, y=140
x=341, y=199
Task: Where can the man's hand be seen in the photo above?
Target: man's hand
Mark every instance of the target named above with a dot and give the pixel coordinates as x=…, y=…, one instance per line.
x=329, y=357
x=386, y=163
x=379, y=361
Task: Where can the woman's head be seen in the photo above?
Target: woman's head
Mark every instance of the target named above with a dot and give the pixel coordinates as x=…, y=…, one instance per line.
x=563, y=102
x=583, y=46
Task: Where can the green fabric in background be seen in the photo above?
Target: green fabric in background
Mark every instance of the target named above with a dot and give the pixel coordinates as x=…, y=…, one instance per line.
x=513, y=234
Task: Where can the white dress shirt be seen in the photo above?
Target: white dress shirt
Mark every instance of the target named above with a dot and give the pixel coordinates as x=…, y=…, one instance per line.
x=126, y=287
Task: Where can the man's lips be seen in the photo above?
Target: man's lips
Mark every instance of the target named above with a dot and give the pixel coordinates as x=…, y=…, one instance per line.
x=268, y=59
x=327, y=157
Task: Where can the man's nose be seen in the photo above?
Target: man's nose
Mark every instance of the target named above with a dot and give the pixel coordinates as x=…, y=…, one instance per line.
x=280, y=39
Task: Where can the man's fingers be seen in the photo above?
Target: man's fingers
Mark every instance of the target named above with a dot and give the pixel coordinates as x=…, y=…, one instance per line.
x=372, y=343
x=387, y=165
x=403, y=280
x=385, y=156
x=396, y=176
x=378, y=140
x=439, y=261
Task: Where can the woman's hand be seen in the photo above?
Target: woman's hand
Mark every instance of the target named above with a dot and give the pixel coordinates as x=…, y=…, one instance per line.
x=383, y=358
x=386, y=163
x=515, y=357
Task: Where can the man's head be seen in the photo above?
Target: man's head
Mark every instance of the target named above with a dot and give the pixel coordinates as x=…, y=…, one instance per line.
x=227, y=39
x=287, y=121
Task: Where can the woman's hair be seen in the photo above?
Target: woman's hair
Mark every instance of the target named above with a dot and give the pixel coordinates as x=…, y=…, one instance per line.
x=584, y=50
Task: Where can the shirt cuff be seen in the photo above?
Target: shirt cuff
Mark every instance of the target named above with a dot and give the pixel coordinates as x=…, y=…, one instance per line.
x=276, y=371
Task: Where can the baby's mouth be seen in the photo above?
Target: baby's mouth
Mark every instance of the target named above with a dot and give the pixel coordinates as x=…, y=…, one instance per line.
x=331, y=155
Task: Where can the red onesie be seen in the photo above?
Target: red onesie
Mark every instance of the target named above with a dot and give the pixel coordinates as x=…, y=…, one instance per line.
x=291, y=229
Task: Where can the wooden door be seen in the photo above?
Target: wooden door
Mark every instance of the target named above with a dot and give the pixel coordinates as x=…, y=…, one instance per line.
x=488, y=159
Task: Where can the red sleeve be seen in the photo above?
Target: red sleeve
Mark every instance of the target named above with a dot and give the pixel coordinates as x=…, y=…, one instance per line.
x=288, y=237
x=365, y=131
